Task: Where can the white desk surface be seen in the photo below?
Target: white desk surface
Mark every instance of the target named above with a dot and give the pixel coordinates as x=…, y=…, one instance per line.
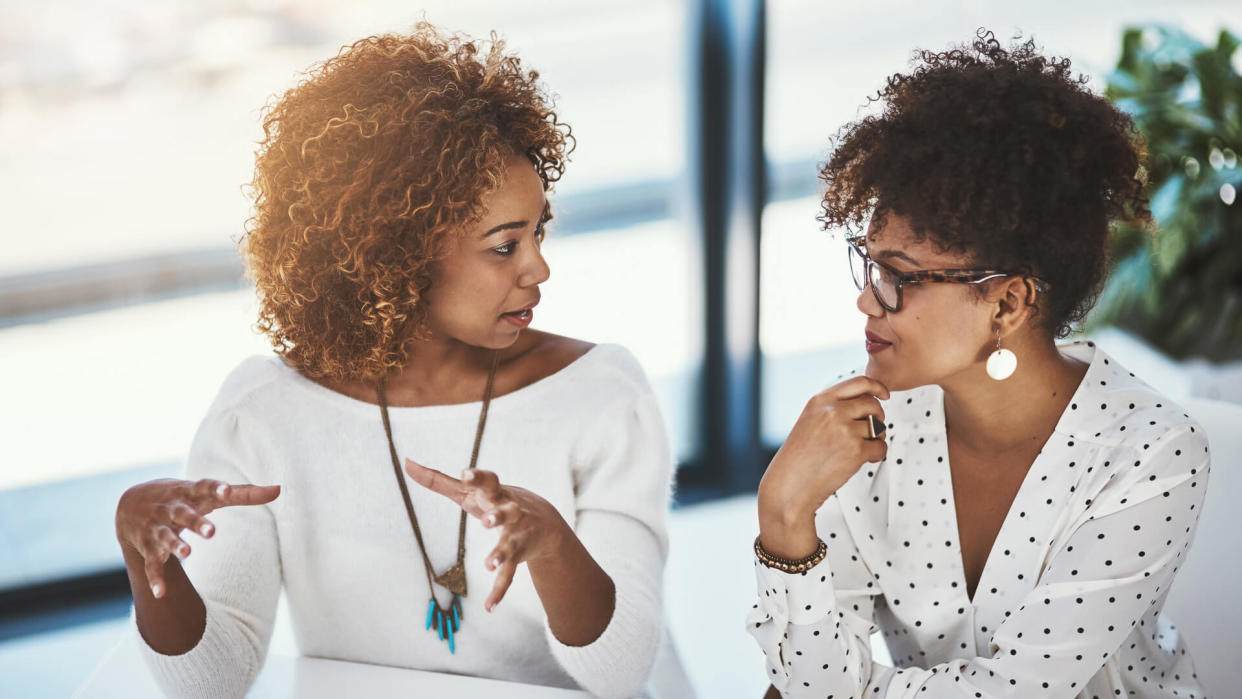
x=122, y=674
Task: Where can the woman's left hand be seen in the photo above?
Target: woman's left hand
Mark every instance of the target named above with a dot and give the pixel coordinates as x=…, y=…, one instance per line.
x=531, y=528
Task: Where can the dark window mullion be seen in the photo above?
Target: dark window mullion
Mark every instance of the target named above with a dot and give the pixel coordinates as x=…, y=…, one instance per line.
x=727, y=163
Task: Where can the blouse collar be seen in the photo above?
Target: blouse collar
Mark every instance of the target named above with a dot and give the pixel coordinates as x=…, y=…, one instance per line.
x=1095, y=410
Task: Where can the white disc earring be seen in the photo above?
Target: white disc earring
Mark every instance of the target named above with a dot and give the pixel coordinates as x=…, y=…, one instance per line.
x=1002, y=362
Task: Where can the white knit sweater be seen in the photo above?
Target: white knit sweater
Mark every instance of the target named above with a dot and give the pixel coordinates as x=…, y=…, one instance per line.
x=588, y=438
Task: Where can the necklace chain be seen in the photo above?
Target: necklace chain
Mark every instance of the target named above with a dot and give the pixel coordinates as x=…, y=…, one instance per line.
x=447, y=619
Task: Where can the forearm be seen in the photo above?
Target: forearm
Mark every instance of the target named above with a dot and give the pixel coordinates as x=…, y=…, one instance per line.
x=785, y=529
x=174, y=624
x=578, y=597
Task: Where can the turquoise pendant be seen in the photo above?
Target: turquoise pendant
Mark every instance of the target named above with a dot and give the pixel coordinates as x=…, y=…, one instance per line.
x=447, y=622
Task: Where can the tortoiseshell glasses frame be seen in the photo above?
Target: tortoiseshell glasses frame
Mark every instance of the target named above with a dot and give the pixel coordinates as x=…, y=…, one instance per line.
x=886, y=283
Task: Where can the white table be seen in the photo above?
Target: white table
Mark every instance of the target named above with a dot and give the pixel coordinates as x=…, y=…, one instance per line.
x=122, y=674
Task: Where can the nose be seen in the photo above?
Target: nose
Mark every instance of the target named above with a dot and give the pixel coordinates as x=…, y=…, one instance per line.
x=535, y=269
x=867, y=302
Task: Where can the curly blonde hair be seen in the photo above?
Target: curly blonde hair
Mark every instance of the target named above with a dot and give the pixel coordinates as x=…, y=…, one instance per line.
x=367, y=169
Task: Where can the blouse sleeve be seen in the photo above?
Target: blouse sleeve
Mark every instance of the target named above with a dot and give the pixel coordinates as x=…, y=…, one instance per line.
x=815, y=627
x=623, y=487
x=1099, y=584
x=237, y=573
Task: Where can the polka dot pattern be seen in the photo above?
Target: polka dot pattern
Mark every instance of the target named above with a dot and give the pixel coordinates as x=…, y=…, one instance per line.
x=1069, y=601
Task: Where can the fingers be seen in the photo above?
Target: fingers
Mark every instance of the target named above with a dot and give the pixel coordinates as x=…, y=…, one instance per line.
x=154, y=567
x=506, y=514
x=862, y=406
x=503, y=579
x=875, y=427
x=868, y=428
x=484, y=484
x=435, y=481
x=231, y=495
x=185, y=517
x=874, y=450
x=155, y=553
x=858, y=386
x=169, y=543
x=208, y=491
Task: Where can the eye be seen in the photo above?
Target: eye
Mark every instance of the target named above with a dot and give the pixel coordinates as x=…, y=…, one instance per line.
x=506, y=249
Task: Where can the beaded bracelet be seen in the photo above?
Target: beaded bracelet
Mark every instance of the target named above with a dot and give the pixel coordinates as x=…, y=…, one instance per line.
x=789, y=566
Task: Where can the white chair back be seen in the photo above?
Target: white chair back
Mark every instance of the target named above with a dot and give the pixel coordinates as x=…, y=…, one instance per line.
x=1204, y=603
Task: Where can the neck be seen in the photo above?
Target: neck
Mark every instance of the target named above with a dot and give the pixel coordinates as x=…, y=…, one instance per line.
x=990, y=416
x=439, y=370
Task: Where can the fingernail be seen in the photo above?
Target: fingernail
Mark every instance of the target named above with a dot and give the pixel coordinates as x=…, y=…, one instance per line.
x=495, y=562
x=468, y=475
x=491, y=520
x=221, y=490
x=181, y=553
x=206, y=530
x=155, y=589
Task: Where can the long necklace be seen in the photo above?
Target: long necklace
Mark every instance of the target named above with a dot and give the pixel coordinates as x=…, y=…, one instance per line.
x=447, y=619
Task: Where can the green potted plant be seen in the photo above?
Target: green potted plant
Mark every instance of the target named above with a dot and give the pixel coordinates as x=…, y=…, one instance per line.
x=1179, y=286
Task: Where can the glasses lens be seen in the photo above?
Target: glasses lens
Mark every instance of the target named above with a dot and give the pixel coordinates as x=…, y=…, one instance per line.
x=858, y=267
x=885, y=286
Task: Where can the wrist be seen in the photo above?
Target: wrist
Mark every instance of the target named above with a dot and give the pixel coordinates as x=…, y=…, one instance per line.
x=781, y=510
x=787, y=532
x=558, y=542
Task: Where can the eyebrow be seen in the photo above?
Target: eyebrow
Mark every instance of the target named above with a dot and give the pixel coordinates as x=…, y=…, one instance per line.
x=894, y=255
x=511, y=225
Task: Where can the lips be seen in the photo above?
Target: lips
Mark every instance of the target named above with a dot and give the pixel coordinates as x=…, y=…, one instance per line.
x=523, y=309
x=521, y=317
x=875, y=343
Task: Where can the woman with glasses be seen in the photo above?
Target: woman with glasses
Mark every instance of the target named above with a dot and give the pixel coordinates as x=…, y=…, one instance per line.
x=1008, y=512
x=432, y=483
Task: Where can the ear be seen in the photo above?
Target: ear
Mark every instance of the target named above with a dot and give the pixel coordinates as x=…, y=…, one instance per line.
x=1013, y=303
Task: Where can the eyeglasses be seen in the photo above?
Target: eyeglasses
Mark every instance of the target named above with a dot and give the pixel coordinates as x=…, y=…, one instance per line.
x=886, y=282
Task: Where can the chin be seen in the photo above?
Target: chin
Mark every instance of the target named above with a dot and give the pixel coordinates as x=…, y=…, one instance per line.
x=893, y=381
x=501, y=341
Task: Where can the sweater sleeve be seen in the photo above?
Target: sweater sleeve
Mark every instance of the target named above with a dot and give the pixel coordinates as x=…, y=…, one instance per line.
x=623, y=487
x=237, y=573
x=1112, y=570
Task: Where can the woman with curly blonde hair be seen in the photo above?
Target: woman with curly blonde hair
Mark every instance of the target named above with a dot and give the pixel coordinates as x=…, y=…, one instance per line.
x=395, y=247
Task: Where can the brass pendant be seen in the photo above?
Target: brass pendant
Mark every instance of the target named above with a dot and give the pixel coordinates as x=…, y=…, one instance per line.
x=453, y=580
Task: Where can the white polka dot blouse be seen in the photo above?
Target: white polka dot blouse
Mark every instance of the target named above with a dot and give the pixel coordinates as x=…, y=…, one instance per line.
x=1069, y=600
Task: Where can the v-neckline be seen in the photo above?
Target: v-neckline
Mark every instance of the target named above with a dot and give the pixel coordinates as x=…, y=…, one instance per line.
x=1024, y=489
x=1023, y=492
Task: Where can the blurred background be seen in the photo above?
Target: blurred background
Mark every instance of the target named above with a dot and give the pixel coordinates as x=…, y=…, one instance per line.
x=685, y=230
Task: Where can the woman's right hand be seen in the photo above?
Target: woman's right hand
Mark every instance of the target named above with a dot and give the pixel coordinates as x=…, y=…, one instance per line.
x=151, y=516
x=828, y=444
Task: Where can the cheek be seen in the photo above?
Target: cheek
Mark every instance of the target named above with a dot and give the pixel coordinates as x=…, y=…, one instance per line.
x=465, y=296
x=938, y=335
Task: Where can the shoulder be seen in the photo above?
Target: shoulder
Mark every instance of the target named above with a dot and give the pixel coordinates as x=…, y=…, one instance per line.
x=1118, y=408
x=251, y=378
x=539, y=354
x=1136, y=425
x=584, y=365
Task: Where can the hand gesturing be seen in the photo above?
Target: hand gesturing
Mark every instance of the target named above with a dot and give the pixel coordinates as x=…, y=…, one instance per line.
x=151, y=516
x=531, y=527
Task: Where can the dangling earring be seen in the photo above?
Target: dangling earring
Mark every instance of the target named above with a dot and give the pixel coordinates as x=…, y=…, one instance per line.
x=1002, y=362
